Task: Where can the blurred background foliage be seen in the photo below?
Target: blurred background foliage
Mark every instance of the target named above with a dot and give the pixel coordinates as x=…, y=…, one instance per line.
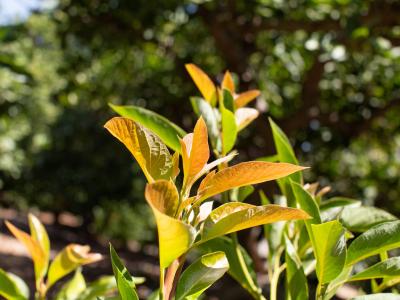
x=328, y=70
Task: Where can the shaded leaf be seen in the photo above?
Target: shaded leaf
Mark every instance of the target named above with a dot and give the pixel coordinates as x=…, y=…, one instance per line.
x=174, y=236
x=203, y=83
x=295, y=277
x=201, y=274
x=245, y=173
x=381, y=237
x=228, y=100
x=70, y=258
x=338, y=202
x=149, y=151
x=235, y=216
x=386, y=269
x=329, y=245
x=362, y=218
x=246, y=97
x=166, y=130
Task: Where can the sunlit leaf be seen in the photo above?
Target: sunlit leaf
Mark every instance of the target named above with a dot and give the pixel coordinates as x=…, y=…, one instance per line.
x=295, y=277
x=379, y=296
x=201, y=274
x=244, y=116
x=226, y=245
x=229, y=130
x=362, y=218
x=73, y=288
x=9, y=289
x=203, y=82
x=245, y=173
x=228, y=83
x=174, y=236
x=329, y=250
x=68, y=260
x=386, y=269
x=380, y=238
x=39, y=233
x=235, y=216
x=196, y=151
x=149, y=151
x=167, y=131
x=246, y=97
x=34, y=249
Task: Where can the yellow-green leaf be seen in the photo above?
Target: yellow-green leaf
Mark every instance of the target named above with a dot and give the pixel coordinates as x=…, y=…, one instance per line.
x=229, y=129
x=34, y=249
x=228, y=83
x=244, y=116
x=389, y=268
x=203, y=82
x=147, y=148
x=168, y=132
x=246, y=97
x=9, y=288
x=174, y=236
x=235, y=216
x=245, y=173
x=70, y=258
x=39, y=233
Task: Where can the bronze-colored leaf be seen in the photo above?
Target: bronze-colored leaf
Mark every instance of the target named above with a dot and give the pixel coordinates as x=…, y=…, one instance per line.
x=203, y=82
x=244, y=98
x=227, y=82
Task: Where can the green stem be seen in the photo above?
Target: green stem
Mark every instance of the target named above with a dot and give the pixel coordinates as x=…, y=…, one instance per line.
x=255, y=291
x=274, y=279
x=162, y=275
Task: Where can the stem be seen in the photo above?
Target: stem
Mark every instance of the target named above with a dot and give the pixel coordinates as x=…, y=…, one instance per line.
x=172, y=276
x=277, y=269
x=161, y=291
x=255, y=292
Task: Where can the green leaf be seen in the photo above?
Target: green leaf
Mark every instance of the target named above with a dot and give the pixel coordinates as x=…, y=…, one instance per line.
x=201, y=274
x=386, y=269
x=9, y=288
x=102, y=286
x=69, y=259
x=125, y=283
x=295, y=277
x=39, y=233
x=149, y=151
x=306, y=203
x=174, y=236
x=228, y=100
x=381, y=237
x=271, y=158
x=235, y=216
x=284, y=149
x=360, y=219
x=226, y=245
x=229, y=130
x=242, y=193
x=209, y=114
x=381, y=296
x=166, y=130
x=329, y=245
x=73, y=288
x=338, y=202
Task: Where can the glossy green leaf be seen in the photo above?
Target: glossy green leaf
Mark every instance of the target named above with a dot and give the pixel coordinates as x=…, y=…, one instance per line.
x=329, y=249
x=149, y=151
x=228, y=100
x=73, y=288
x=284, y=149
x=125, y=283
x=226, y=245
x=235, y=216
x=174, y=236
x=338, y=202
x=295, y=277
x=243, y=174
x=204, y=109
x=166, y=130
x=229, y=130
x=381, y=237
x=360, y=219
x=103, y=286
x=9, y=289
x=39, y=233
x=386, y=269
x=201, y=274
x=69, y=259
x=306, y=203
x=380, y=296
